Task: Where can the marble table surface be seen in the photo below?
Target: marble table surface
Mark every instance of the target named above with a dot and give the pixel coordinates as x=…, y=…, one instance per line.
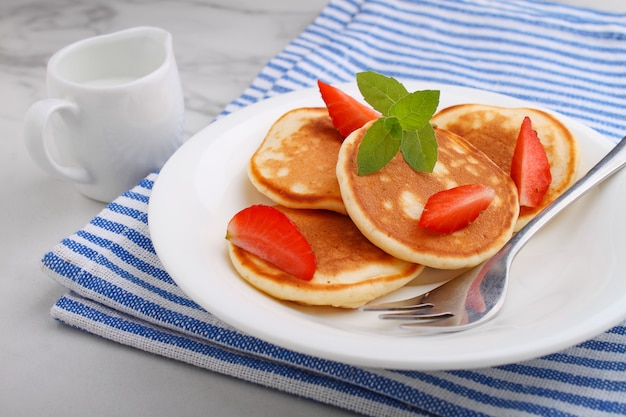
x=46, y=368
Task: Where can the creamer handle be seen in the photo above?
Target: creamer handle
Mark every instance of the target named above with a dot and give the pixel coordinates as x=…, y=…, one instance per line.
x=36, y=139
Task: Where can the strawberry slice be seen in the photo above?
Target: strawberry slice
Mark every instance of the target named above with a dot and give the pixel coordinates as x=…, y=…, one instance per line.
x=530, y=168
x=269, y=234
x=347, y=113
x=450, y=210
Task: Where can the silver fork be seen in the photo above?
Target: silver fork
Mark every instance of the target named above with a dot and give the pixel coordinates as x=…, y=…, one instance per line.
x=475, y=296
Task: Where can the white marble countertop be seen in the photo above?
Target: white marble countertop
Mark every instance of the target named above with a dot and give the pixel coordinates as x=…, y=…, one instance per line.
x=46, y=368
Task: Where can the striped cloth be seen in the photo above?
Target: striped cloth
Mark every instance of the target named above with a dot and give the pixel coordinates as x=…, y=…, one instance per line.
x=568, y=59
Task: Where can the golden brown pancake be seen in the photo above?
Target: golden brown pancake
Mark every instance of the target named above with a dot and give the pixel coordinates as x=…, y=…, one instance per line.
x=494, y=131
x=386, y=205
x=295, y=164
x=350, y=270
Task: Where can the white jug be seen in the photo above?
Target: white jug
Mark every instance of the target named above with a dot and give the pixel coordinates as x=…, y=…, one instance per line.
x=114, y=114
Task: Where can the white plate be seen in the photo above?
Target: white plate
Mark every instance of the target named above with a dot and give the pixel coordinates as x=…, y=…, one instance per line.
x=568, y=282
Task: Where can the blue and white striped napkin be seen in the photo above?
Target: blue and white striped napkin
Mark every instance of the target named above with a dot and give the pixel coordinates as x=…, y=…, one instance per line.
x=569, y=59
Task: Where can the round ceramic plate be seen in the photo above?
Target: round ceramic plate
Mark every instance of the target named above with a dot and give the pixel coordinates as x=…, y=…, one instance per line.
x=567, y=283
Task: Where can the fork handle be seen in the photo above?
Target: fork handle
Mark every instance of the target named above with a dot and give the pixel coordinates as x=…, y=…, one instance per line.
x=609, y=165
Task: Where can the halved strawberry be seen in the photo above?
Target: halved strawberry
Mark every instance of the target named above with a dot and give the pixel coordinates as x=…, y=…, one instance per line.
x=530, y=168
x=347, y=113
x=269, y=234
x=450, y=210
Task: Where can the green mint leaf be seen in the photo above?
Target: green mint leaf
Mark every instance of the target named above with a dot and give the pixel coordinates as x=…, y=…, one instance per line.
x=380, y=91
x=419, y=148
x=404, y=125
x=415, y=110
x=378, y=146
x=393, y=126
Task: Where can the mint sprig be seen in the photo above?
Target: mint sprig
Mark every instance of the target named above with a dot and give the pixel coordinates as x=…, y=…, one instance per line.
x=404, y=125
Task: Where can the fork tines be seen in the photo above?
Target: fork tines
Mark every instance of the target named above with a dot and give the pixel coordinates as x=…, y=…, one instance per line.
x=416, y=316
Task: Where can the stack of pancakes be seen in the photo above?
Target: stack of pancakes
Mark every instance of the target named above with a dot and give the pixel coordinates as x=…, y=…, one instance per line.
x=364, y=229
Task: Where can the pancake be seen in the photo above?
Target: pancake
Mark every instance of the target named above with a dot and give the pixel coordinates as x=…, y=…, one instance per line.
x=295, y=164
x=386, y=205
x=494, y=131
x=350, y=270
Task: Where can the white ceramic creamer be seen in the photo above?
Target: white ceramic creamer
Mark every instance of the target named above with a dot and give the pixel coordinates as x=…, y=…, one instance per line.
x=114, y=114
